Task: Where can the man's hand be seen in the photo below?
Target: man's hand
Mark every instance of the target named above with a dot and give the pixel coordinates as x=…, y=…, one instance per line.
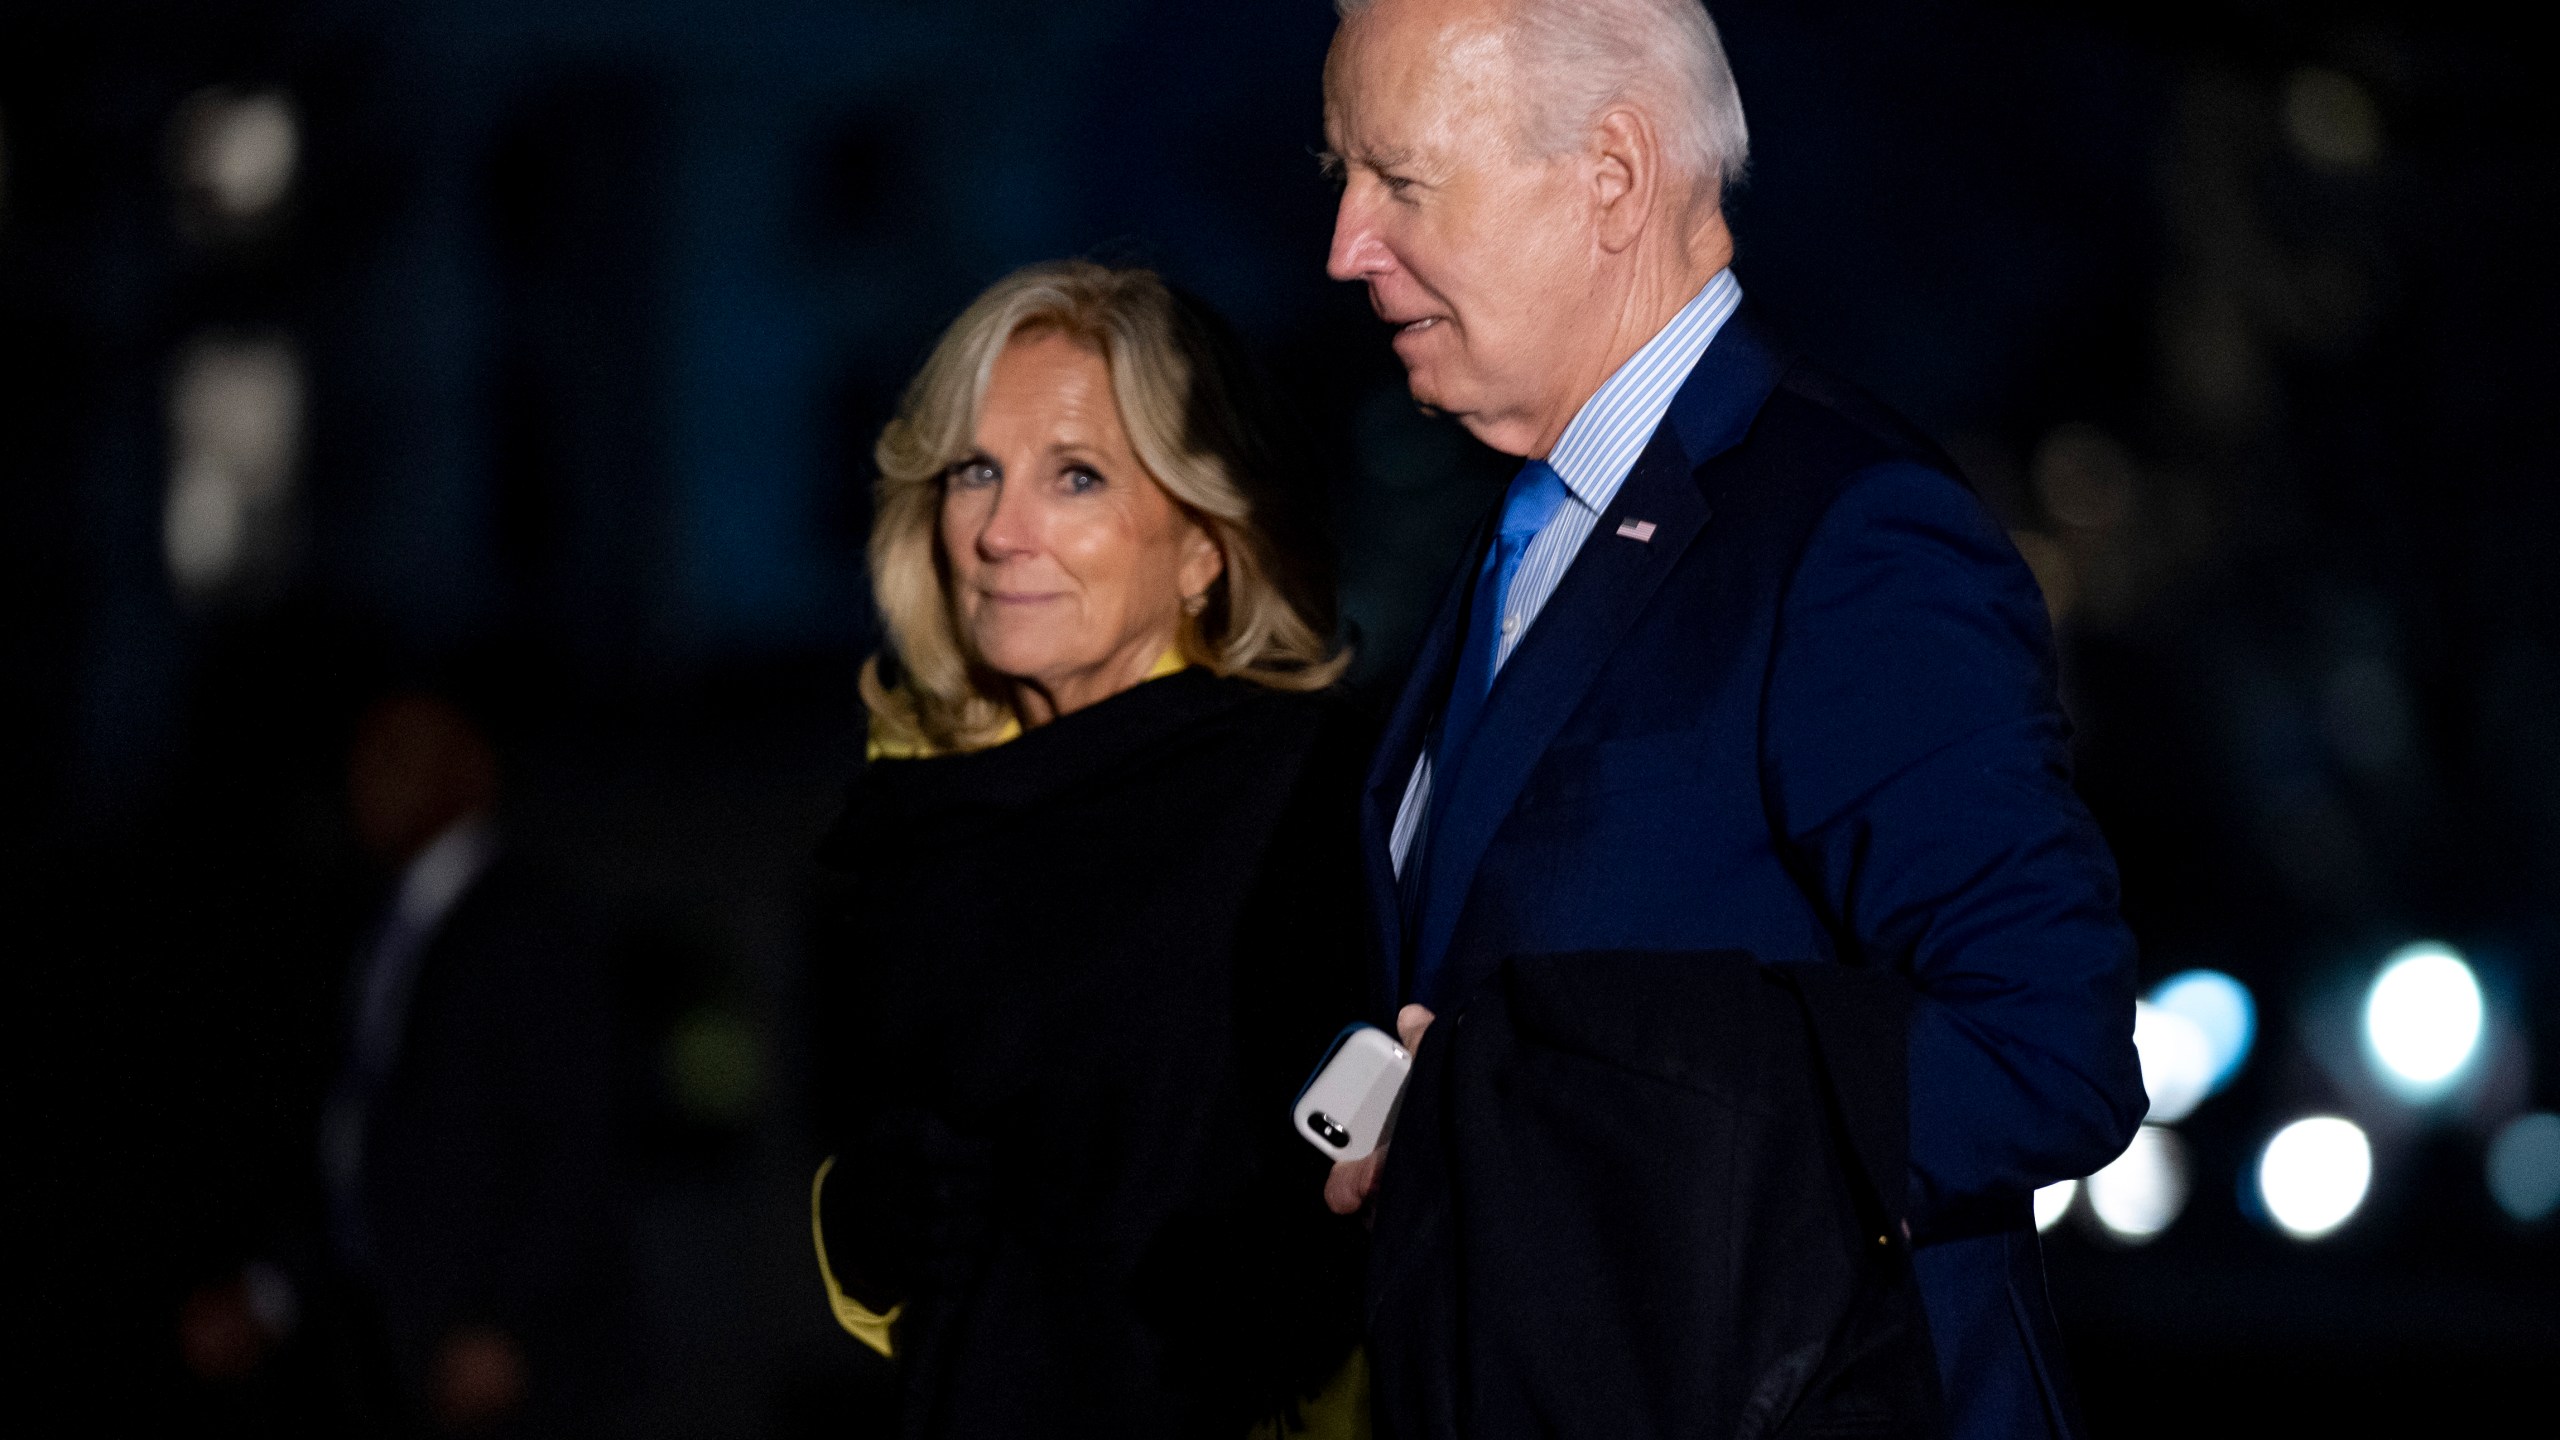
x=1352, y=1182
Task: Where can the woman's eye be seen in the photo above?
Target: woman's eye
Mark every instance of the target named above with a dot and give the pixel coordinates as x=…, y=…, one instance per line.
x=1081, y=480
x=970, y=474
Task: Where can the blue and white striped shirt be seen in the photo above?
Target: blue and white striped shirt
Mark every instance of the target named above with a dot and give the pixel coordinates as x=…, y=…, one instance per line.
x=1594, y=456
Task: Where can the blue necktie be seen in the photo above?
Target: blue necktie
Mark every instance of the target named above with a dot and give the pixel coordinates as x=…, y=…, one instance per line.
x=1536, y=493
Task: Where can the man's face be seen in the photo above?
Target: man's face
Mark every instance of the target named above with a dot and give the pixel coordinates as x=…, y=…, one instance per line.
x=418, y=765
x=1478, y=250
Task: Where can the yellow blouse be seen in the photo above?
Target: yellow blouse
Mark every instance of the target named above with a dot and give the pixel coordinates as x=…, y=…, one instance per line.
x=880, y=745
x=859, y=1320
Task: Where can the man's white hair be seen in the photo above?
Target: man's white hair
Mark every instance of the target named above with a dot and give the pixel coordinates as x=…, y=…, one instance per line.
x=1582, y=56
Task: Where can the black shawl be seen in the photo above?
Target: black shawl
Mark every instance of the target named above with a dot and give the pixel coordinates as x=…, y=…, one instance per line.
x=1078, y=979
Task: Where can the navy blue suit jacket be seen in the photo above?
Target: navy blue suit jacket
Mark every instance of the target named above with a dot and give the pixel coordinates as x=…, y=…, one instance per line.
x=1813, y=716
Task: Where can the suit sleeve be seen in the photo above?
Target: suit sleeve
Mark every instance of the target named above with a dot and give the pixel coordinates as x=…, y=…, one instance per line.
x=1916, y=762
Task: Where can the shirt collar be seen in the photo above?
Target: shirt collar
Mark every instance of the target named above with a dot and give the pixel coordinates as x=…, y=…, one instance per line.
x=1600, y=446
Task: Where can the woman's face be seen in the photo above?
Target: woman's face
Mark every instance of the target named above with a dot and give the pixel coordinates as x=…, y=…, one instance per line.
x=1069, y=564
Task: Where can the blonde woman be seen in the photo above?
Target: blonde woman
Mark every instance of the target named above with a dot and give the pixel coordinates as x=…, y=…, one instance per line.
x=1101, y=906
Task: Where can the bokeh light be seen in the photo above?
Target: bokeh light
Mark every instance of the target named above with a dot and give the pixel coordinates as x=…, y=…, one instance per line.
x=2422, y=1020
x=235, y=437
x=2177, y=1061
x=2313, y=1175
x=236, y=153
x=2219, y=1006
x=2054, y=1201
x=2524, y=1166
x=2331, y=120
x=2141, y=1193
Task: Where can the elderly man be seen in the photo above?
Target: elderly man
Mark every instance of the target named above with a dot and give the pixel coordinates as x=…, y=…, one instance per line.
x=1739, y=668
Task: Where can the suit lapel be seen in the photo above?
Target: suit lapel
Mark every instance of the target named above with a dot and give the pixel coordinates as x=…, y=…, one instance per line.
x=1604, y=591
x=1399, y=748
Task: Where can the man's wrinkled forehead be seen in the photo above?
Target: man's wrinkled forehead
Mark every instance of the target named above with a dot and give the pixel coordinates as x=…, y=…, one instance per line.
x=1406, y=77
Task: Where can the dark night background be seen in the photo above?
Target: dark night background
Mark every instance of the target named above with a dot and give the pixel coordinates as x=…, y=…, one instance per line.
x=587, y=315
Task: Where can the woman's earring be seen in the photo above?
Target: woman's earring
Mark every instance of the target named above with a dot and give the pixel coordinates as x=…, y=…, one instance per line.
x=1193, y=604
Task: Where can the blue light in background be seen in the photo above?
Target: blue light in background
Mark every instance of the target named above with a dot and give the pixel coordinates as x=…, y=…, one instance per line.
x=2524, y=1167
x=2219, y=1006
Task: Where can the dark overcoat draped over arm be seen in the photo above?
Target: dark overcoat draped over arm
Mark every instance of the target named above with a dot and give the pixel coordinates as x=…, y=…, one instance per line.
x=1795, y=698
x=1638, y=1198
x=1082, y=974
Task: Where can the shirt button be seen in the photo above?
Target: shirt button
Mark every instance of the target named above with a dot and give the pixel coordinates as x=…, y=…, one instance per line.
x=1510, y=627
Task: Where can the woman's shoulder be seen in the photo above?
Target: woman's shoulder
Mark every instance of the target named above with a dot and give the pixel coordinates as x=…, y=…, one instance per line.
x=1182, y=729
x=1327, y=727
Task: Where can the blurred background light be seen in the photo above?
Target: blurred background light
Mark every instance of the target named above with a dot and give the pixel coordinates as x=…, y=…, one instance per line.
x=2084, y=477
x=2054, y=1201
x=236, y=154
x=2141, y=1192
x=2331, y=120
x=2366, y=714
x=2218, y=1006
x=2313, y=1175
x=2177, y=1061
x=2422, y=1020
x=235, y=427
x=2055, y=573
x=2524, y=1167
x=715, y=1067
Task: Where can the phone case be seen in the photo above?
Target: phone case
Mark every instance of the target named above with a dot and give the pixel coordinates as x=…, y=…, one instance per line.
x=1348, y=1106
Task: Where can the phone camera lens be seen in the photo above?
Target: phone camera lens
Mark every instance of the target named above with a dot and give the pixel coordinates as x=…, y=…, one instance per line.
x=1333, y=1134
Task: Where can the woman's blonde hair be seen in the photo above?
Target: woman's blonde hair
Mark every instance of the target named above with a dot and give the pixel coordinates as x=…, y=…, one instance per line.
x=1200, y=426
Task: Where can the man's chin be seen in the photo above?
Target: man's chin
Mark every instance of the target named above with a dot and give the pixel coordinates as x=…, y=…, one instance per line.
x=1423, y=382
x=1433, y=400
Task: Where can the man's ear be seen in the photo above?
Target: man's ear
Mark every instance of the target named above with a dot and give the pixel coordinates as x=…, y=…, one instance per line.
x=1626, y=177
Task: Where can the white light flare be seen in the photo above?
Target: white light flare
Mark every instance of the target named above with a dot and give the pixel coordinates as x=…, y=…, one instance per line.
x=2054, y=1201
x=235, y=439
x=2313, y=1175
x=2177, y=1061
x=2142, y=1192
x=2422, y=1020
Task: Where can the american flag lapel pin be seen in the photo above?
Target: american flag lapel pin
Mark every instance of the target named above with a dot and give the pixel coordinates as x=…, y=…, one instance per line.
x=1640, y=531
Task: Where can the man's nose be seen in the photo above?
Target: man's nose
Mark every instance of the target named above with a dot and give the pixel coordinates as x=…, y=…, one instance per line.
x=1357, y=252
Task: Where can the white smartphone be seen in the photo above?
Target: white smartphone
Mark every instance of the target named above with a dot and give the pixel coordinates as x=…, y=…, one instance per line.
x=1347, y=1108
